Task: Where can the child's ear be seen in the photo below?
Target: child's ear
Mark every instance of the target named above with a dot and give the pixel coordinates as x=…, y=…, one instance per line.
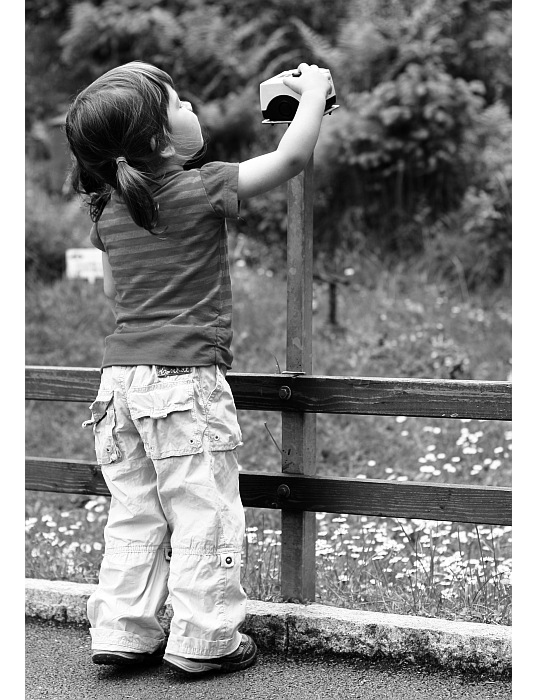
x=168, y=151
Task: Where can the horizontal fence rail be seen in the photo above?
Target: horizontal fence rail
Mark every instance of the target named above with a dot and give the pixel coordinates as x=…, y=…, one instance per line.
x=297, y=493
x=431, y=398
x=374, y=497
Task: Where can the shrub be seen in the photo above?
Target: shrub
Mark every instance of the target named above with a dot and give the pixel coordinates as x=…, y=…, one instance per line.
x=405, y=143
x=477, y=235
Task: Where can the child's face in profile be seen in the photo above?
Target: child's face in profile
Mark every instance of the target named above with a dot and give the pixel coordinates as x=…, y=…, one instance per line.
x=184, y=126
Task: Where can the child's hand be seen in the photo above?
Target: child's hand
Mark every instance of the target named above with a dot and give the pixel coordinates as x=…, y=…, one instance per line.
x=311, y=78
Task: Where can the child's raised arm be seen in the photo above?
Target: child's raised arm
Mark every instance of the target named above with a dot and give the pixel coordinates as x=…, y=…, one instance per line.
x=265, y=172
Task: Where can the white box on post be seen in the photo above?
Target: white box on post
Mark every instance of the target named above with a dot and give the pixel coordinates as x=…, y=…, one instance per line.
x=279, y=103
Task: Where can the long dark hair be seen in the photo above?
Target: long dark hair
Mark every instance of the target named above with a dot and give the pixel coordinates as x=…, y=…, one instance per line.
x=117, y=129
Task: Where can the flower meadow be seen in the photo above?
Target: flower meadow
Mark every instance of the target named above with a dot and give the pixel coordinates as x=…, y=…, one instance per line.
x=397, y=325
x=421, y=567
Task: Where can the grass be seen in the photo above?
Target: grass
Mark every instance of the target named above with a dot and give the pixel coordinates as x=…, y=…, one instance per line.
x=391, y=323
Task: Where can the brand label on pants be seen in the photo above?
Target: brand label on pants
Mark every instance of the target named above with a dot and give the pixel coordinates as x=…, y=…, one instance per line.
x=170, y=371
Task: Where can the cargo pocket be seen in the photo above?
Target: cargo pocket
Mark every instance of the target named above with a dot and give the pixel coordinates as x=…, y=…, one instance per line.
x=103, y=422
x=224, y=430
x=165, y=416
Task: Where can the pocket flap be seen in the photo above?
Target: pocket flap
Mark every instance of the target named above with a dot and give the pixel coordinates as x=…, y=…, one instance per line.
x=99, y=407
x=157, y=401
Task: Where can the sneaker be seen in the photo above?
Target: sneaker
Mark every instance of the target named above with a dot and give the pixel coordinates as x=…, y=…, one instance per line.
x=126, y=658
x=240, y=659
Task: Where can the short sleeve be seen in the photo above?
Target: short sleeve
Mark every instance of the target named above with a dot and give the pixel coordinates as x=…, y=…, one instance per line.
x=96, y=239
x=221, y=183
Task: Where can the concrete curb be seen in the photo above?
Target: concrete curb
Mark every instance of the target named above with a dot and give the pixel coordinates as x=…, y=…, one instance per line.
x=320, y=629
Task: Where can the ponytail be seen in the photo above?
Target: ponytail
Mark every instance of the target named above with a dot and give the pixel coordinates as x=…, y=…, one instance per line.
x=134, y=188
x=132, y=185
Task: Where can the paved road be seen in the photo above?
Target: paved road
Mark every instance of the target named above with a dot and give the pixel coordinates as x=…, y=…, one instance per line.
x=58, y=667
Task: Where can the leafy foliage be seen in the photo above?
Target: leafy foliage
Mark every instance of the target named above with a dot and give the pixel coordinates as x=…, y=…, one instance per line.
x=411, y=145
x=406, y=143
x=100, y=37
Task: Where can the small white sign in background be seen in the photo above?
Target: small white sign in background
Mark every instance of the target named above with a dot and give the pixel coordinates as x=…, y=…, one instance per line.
x=85, y=263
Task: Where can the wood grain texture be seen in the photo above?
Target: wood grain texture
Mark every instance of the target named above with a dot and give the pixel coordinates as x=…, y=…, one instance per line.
x=62, y=383
x=299, y=428
x=434, y=398
x=64, y=476
x=446, y=502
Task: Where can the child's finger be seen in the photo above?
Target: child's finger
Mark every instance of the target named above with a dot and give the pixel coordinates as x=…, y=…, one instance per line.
x=298, y=71
x=306, y=76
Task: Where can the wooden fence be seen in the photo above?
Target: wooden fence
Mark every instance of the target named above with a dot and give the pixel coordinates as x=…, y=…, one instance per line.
x=299, y=396
x=301, y=495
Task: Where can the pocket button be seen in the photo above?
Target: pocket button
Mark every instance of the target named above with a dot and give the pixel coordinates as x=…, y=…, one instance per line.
x=227, y=560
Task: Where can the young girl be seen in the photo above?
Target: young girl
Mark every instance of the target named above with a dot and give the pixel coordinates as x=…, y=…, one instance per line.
x=164, y=419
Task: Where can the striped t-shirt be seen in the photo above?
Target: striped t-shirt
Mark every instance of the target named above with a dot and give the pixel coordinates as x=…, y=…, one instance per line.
x=173, y=291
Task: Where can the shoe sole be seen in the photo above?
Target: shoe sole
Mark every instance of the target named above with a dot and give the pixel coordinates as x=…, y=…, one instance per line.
x=211, y=668
x=108, y=659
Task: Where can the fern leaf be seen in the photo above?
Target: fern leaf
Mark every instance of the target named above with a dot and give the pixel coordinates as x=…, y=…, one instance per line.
x=320, y=48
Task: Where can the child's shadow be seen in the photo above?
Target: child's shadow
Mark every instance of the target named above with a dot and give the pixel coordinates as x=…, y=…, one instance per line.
x=122, y=673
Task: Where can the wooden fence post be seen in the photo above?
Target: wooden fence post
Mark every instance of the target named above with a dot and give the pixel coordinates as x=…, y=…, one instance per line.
x=298, y=429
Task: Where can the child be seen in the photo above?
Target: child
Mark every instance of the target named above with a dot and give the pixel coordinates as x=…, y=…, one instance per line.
x=164, y=419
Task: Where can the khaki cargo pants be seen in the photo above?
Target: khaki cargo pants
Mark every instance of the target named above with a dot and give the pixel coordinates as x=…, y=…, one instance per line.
x=165, y=439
